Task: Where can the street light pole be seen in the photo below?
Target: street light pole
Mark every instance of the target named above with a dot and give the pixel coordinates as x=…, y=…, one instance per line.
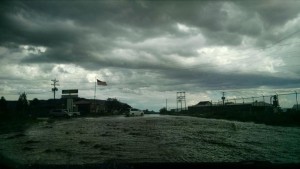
x=296, y=99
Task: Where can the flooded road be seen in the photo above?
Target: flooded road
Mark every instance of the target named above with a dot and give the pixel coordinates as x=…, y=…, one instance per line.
x=151, y=138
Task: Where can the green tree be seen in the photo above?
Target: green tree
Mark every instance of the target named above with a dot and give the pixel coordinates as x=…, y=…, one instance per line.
x=112, y=104
x=22, y=104
x=35, y=102
x=34, y=105
x=3, y=106
x=163, y=110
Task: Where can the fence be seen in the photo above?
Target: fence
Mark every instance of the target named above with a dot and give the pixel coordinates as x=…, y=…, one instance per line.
x=285, y=100
x=289, y=100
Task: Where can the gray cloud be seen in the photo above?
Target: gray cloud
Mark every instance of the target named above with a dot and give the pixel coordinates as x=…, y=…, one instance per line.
x=154, y=45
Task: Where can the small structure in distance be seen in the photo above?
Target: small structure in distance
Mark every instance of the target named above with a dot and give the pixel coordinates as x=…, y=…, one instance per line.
x=70, y=94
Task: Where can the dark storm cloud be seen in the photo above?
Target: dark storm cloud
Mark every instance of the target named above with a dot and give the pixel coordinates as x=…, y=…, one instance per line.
x=91, y=33
x=228, y=38
x=45, y=23
x=272, y=12
x=21, y=28
x=211, y=80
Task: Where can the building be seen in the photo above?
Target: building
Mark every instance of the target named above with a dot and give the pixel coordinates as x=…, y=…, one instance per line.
x=204, y=103
x=296, y=107
x=86, y=106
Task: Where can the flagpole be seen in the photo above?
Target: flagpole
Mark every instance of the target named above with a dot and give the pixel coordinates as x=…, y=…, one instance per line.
x=95, y=96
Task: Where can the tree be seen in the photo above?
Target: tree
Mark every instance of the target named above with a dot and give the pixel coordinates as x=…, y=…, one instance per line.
x=35, y=102
x=163, y=110
x=22, y=104
x=3, y=106
x=34, y=105
x=113, y=105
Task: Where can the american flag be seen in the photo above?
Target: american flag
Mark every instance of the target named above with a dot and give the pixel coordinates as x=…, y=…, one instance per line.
x=99, y=82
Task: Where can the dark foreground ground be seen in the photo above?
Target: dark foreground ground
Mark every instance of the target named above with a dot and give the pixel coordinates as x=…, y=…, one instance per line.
x=149, y=139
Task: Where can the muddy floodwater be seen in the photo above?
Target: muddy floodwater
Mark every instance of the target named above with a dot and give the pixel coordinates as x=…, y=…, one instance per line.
x=151, y=138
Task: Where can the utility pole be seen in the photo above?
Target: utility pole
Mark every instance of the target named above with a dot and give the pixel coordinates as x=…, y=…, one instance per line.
x=223, y=98
x=95, y=96
x=277, y=99
x=296, y=99
x=167, y=104
x=181, y=97
x=54, y=89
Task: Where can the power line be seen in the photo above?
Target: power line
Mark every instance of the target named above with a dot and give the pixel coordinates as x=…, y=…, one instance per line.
x=283, y=39
x=259, y=52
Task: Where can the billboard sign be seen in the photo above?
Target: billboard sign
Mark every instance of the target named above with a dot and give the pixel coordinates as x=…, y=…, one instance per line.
x=70, y=91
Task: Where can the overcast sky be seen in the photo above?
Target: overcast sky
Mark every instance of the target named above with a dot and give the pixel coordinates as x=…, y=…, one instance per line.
x=147, y=51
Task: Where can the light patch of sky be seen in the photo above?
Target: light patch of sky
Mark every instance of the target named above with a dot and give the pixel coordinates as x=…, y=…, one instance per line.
x=232, y=11
x=268, y=64
x=3, y=51
x=157, y=41
x=32, y=71
x=290, y=26
x=166, y=42
x=28, y=49
x=20, y=71
x=91, y=77
x=7, y=89
x=287, y=101
x=124, y=54
x=247, y=62
x=186, y=29
x=194, y=98
x=220, y=56
x=183, y=27
x=71, y=76
x=131, y=91
x=103, y=75
x=11, y=56
x=247, y=43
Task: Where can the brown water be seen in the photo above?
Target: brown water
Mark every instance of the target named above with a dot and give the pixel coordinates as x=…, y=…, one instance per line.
x=151, y=138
